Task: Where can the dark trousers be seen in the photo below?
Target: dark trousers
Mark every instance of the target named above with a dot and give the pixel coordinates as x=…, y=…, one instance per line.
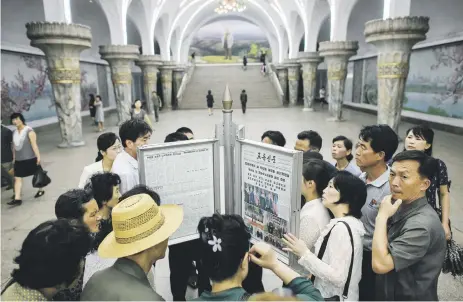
x=367, y=284
x=243, y=107
x=6, y=167
x=156, y=113
x=181, y=257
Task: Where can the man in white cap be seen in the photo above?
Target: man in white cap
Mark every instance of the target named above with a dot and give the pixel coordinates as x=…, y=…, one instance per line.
x=141, y=230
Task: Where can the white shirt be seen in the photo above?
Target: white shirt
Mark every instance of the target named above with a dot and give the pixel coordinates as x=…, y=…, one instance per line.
x=331, y=272
x=127, y=168
x=314, y=218
x=96, y=167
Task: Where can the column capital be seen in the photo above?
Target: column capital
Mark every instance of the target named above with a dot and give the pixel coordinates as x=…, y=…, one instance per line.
x=407, y=29
x=338, y=48
x=309, y=57
x=291, y=63
x=149, y=61
x=280, y=67
x=119, y=52
x=168, y=65
x=49, y=36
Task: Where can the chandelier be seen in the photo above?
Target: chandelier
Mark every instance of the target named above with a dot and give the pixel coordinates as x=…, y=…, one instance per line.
x=230, y=6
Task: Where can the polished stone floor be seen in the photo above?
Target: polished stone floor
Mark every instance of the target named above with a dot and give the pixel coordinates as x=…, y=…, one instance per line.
x=65, y=166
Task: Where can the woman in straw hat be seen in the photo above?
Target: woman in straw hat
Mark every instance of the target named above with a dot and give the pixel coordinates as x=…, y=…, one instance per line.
x=141, y=230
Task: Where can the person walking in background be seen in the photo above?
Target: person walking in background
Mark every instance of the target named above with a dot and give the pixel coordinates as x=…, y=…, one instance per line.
x=245, y=63
x=244, y=100
x=210, y=102
x=109, y=146
x=139, y=113
x=26, y=156
x=263, y=69
x=91, y=107
x=99, y=113
x=262, y=57
x=156, y=102
x=7, y=157
x=322, y=94
x=193, y=56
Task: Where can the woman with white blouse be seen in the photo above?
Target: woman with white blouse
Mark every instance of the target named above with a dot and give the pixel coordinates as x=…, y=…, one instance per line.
x=314, y=216
x=342, y=240
x=109, y=146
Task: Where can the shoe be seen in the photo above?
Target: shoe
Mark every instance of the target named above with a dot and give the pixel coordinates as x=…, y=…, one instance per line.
x=39, y=193
x=15, y=202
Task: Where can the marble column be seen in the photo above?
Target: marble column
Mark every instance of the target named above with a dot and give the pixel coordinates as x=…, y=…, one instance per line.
x=309, y=62
x=149, y=65
x=178, y=74
x=167, y=74
x=120, y=59
x=293, y=79
x=282, y=74
x=336, y=55
x=394, y=39
x=62, y=44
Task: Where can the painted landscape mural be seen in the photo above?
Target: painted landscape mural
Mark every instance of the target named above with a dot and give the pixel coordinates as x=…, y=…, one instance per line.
x=26, y=88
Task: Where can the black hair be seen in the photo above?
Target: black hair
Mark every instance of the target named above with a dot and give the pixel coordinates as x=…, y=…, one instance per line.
x=141, y=189
x=423, y=132
x=70, y=205
x=352, y=190
x=347, y=143
x=244, y=91
x=428, y=164
x=17, y=115
x=98, y=96
x=209, y=92
x=314, y=138
x=132, y=130
x=102, y=185
x=381, y=138
x=308, y=155
x=104, y=142
x=51, y=254
x=184, y=130
x=315, y=169
x=224, y=263
x=276, y=137
x=175, y=137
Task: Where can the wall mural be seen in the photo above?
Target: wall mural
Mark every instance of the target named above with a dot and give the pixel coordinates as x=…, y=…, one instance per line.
x=26, y=88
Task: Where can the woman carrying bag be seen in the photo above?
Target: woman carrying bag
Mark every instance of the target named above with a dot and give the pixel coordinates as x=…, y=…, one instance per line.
x=26, y=156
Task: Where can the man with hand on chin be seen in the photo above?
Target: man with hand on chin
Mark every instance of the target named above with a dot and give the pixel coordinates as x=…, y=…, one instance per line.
x=408, y=242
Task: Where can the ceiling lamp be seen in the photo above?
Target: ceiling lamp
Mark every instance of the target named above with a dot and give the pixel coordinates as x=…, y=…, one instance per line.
x=230, y=6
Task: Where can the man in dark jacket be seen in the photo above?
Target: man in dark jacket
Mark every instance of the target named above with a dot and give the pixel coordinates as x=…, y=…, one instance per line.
x=244, y=100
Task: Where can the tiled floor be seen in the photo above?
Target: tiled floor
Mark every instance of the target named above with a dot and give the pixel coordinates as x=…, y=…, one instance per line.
x=65, y=166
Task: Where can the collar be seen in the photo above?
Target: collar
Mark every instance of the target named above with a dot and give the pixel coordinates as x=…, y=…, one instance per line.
x=406, y=210
x=378, y=182
x=130, y=267
x=132, y=161
x=311, y=203
x=222, y=295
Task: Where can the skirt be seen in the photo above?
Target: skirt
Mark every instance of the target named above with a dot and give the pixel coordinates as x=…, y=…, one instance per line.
x=24, y=168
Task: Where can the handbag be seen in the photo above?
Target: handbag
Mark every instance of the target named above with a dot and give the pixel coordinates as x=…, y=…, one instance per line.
x=40, y=179
x=349, y=275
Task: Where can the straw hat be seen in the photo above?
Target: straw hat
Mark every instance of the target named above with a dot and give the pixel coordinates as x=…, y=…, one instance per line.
x=139, y=224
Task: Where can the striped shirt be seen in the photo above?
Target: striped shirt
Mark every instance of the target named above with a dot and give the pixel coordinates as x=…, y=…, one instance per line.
x=376, y=191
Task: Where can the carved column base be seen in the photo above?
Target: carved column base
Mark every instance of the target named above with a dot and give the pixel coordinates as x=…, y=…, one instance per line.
x=309, y=62
x=120, y=59
x=282, y=74
x=394, y=39
x=293, y=79
x=149, y=65
x=336, y=56
x=167, y=70
x=62, y=44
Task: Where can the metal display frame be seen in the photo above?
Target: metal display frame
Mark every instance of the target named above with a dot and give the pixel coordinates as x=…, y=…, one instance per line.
x=178, y=146
x=295, y=188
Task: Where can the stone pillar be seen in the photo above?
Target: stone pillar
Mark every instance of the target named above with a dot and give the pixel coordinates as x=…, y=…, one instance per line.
x=293, y=79
x=394, y=39
x=178, y=74
x=62, y=44
x=167, y=75
x=282, y=73
x=309, y=62
x=337, y=54
x=120, y=59
x=149, y=65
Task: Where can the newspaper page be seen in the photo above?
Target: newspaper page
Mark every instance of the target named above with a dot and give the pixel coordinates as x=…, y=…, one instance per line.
x=266, y=195
x=183, y=175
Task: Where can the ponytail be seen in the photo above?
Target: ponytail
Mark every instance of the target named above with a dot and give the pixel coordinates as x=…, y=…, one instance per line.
x=99, y=157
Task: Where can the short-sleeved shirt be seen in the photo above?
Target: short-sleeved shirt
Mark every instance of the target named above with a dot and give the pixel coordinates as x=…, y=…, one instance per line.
x=417, y=245
x=376, y=191
x=127, y=168
x=352, y=168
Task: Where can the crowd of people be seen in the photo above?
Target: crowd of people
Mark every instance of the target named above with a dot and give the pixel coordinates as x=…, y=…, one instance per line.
x=373, y=226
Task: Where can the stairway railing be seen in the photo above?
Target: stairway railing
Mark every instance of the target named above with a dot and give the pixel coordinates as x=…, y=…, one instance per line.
x=185, y=80
x=276, y=83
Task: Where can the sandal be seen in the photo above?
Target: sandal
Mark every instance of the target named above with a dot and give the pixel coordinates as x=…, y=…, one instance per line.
x=39, y=194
